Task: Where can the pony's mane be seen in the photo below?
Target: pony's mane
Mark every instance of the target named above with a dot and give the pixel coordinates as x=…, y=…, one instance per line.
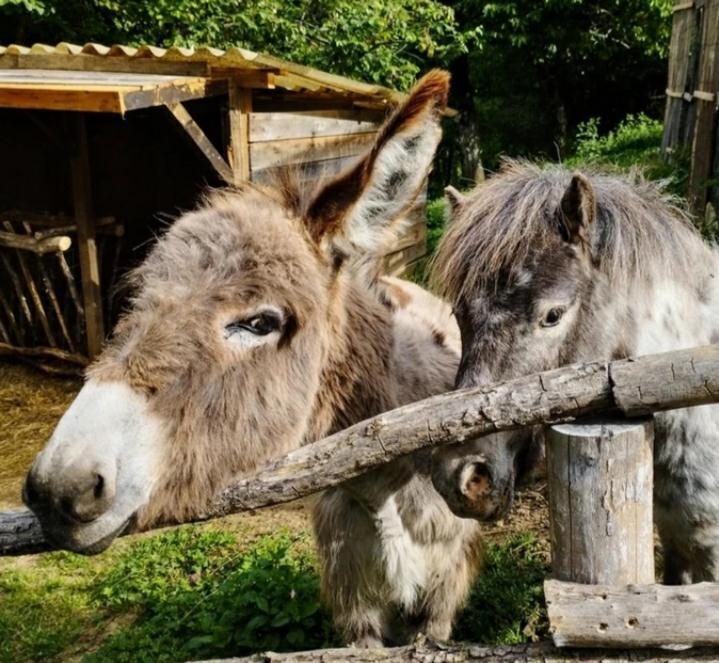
x=640, y=229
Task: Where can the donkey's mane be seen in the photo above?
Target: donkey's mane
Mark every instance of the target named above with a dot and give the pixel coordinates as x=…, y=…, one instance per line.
x=641, y=230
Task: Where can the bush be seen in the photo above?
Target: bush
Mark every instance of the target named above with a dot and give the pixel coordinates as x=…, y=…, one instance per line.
x=634, y=144
x=194, y=598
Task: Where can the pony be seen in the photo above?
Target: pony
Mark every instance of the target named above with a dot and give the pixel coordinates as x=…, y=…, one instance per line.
x=545, y=267
x=259, y=322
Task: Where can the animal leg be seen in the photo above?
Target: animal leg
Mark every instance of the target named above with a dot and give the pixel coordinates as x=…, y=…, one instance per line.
x=349, y=552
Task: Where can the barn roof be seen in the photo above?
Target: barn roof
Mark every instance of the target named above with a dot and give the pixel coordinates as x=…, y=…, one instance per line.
x=95, y=66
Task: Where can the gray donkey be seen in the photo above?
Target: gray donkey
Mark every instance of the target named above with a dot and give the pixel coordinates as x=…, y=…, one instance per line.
x=545, y=268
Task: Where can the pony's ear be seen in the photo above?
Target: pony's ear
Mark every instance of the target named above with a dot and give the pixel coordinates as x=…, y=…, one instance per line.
x=577, y=210
x=354, y=213
x=456, y=200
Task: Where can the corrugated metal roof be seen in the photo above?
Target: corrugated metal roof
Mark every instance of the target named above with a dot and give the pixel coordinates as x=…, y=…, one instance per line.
x=282, y=73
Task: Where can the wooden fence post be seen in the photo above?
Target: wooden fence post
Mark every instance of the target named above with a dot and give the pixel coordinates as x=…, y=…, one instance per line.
x=600, y=492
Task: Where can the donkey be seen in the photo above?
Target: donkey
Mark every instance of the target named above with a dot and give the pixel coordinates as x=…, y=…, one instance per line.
x=545, y=268
x=258, y=324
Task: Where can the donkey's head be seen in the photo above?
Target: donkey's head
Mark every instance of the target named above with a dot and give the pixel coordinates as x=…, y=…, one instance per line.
x=217, y=366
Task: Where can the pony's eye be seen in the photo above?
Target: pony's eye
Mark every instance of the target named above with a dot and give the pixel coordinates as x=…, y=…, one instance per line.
x=553, y=316
x=259, y=324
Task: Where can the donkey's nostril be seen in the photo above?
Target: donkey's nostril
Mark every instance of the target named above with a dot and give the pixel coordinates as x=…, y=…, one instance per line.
x=477, y=481
x=89, y=500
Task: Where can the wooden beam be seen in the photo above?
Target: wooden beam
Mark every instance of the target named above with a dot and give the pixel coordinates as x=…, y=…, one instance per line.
x=309, y=124
x=667, y=381
x=454, y=652
x=600, y=501
x=39, y=246
x=95, y=101
x=240, y=107
x=202, y=143
x=86, y=242
x=633, y=615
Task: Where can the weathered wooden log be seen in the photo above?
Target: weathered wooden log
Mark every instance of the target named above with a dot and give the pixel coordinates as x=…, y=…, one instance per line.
x=54, y=353
x=633, y=615
x=21, y=533
x=39, y=246
x=600, y=501
x=672, y=380
x=431, y=652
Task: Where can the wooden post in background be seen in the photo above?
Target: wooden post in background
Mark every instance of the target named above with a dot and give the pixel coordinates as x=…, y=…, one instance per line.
x=86, y=243
x=240, y=101
x=600, y=492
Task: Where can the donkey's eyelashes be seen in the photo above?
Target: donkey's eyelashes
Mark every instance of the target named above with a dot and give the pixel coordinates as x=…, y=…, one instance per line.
x=255, y=329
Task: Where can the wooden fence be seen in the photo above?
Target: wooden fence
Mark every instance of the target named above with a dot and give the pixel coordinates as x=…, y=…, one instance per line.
x=690, y=121
x=603, y=593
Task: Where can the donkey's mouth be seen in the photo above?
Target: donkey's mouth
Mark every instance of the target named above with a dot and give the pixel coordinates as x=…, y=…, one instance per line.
x=76, y=540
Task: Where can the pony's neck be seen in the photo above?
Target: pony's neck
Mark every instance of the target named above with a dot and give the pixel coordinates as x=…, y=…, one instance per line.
x=668, y=310
x=356, y=381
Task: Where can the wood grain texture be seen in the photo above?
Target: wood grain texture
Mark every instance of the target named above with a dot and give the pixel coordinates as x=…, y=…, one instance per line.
x=652, y=383
x=309, y=124
x=240, y=107
x=39, y=246
x=632, y=615
x=600, y=496
x=432, y=652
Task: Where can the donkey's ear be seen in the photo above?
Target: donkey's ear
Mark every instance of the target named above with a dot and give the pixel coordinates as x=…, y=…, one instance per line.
x=353, y=213
x=456, y=199
x=577, y=210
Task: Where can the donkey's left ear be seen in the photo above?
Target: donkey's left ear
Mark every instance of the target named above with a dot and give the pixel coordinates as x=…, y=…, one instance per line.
x=354, y=213
x=577, y=210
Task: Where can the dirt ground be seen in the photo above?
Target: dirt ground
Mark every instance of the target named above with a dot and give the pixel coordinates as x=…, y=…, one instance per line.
x=31, y=404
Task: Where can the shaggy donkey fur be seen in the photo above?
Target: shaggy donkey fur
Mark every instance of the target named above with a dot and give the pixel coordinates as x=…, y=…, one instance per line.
x=545, y=268
x=257, y=326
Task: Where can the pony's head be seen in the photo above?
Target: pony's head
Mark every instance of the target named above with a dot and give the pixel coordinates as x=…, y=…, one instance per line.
x=217, y=365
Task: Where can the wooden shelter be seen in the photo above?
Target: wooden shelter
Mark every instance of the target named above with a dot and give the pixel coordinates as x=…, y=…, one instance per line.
x=91, y=162
x=690, y=121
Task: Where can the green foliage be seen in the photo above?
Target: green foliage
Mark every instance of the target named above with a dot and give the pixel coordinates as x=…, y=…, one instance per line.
x=374, y=40
x=194, y=598
x=436, y=220
x=634, y=144
x=507, y=602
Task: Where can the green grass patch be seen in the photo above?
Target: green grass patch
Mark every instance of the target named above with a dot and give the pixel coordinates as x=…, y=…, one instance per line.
x=198, y=592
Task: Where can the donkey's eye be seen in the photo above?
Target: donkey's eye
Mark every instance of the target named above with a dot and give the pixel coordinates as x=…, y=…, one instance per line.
x=259, y=324
x=553, y=316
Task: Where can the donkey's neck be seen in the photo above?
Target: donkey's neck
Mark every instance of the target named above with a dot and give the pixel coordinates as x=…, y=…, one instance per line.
x=356, y=382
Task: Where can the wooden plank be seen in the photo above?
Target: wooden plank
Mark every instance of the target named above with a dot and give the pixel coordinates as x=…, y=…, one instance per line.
x=86, y=242
x=633, y=615
x=308, y=124
x=600, y=506
x=240, y=109
x=271, y=154
x=58, y=99
x=197, y=137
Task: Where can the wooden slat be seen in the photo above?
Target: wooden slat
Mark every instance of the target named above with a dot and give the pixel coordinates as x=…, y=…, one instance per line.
x=309, y=124
x=704, y=127
x=87, y=246
x=281, y=152
x=73, y=100
x=197, y=137
x=240, y=108
x=173, y=94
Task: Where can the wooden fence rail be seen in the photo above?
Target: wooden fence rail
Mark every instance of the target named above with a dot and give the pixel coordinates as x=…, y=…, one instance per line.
x=633, y=387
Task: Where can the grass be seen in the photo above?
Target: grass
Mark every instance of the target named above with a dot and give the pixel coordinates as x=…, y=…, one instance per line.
x=199, y=592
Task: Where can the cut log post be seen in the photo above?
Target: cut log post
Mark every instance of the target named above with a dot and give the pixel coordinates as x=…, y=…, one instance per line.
x=633, y=615
x=666, y=381
x=600, y=501
x=13, y=240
